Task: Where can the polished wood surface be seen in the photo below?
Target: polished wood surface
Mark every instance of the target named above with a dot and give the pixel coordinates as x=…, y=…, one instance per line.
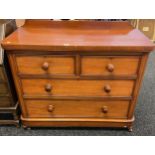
x=77, y=88
x=45, y=65
x=76, y=36
x=77, y=122
x=90, y=65
x=77, y=109
x=77, y=73
x=110, y=65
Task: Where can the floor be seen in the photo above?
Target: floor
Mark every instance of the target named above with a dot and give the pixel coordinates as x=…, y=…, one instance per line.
x=144, y=124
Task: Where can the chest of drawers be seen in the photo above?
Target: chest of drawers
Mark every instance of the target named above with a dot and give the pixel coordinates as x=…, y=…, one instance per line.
x=8, y=97
x=77, y=73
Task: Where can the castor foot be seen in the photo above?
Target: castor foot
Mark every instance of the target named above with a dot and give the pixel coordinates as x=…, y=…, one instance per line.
x=130, y=129
x=26, y=128
x=17, y=126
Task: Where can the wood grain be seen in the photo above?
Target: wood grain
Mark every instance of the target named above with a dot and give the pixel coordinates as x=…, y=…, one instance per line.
x=138, y=84
x=77, y=122
x=77, y=109
x=57, y=65
x=77, y=87
x=98, y=65
x=77, y=73
x=47, y=35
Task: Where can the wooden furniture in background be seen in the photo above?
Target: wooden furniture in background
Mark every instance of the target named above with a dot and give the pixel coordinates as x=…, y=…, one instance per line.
x=8, y=98
x=147, y=26
x=77, y=73
x=20, y=22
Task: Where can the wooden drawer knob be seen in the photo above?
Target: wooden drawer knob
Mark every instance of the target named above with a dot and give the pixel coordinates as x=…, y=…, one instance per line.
x=45, y=66
x=104, y=109
x=48, y=87
x=107, y=88
x=50, y=108
x=110, y=67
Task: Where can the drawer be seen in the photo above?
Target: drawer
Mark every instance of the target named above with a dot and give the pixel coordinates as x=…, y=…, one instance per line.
x=3, y=88
x=61, y=108
x=5, y=102
x=121, y=66
x=37, y=65
x=77, y=87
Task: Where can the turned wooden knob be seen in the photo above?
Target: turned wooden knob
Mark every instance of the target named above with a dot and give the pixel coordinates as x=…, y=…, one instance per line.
x=110, y=67
x=48, y=87
x=45, y=66
x=104, y=109
x=50, y=108
x=107, y=88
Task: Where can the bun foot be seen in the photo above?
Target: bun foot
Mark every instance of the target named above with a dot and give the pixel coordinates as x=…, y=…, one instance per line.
x=17, y=126
x=26, y=128
x=130, y=129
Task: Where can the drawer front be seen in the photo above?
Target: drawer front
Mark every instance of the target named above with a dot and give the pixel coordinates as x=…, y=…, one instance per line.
x=58, y=108
x=5, y=102
x=45, y=65
x=77, y=87
x=3, y=88
x=121, y=66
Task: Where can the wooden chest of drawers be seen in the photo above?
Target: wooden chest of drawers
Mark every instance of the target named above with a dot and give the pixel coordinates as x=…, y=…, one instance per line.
x=77, y=73
x=8, y=97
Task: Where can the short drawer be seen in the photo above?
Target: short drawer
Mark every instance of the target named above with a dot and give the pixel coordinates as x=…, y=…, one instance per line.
x=61, y=108
x=36, y=65
x=47, y=87
x=119, y=66
x=3, y=88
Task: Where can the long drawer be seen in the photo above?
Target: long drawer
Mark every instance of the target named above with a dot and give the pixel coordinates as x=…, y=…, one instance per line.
x=73, y=109
x=77, y=87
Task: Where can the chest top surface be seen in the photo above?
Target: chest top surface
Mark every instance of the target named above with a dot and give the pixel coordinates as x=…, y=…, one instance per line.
x=77, y=36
